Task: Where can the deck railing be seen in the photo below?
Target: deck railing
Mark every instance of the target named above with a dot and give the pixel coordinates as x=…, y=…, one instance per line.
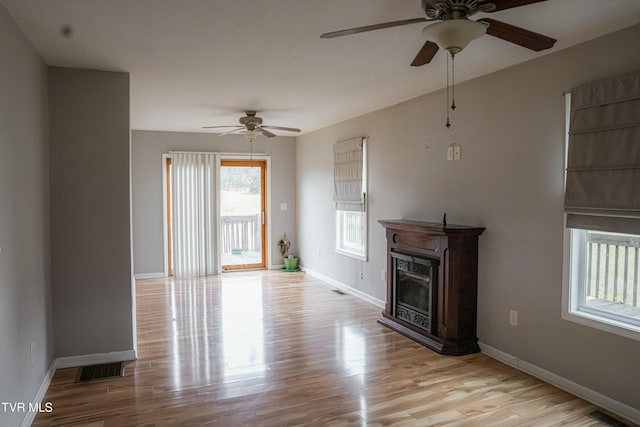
x=613, y=269
x=241, y=232
x=353, y=229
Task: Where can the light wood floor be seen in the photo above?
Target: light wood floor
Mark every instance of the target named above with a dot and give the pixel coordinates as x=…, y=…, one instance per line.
x=282, y=349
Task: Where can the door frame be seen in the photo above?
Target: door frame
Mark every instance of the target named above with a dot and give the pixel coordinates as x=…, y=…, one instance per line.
x=265, y=218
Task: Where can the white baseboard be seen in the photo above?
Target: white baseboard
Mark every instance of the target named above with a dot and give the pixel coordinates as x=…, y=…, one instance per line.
x=42, y=391
x=348, y=289
x=95, y=359
x=142, y=276
x=583, y=392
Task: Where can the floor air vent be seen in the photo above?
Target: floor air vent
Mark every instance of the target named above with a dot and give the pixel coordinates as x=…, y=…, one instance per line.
x=606, y=419
x=338, y=292
x=99, y=372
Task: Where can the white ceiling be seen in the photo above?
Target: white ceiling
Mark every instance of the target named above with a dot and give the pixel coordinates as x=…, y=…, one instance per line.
x=202, y=62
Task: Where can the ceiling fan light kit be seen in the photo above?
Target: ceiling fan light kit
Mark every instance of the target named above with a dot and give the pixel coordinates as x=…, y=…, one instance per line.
x=453, y=35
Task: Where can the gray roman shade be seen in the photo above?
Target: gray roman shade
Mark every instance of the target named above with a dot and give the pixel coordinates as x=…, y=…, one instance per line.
x=603, y=164
x=347, y=175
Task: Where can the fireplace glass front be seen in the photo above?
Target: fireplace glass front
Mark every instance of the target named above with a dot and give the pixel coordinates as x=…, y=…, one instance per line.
x=415, y=290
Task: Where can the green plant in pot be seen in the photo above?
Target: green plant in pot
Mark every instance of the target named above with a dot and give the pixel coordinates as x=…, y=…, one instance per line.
x=290, y=261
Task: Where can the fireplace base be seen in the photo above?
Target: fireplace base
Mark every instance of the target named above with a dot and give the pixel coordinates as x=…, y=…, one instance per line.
x=452, y=348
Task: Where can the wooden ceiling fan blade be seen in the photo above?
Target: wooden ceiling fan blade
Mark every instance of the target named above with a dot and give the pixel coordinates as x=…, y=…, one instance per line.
x=266, y=132
x=509, y=4
x=281, y=128
x=426, y=54
x=517, y=35
x=372, y=27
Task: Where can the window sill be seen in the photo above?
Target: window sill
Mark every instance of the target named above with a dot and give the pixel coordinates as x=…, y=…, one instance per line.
x=356, y=255
x=603, y=323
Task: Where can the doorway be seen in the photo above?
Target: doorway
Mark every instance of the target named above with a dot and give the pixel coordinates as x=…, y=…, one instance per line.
x=241, y=207
x=243, y=218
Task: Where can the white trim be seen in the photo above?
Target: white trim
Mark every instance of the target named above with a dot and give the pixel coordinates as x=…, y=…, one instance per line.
x=132, y=266
x=269, y=255
x=601, y=323
x=581, y=391
x=348, y=289
x=364, y=255
x=221, y=153
x=95, y=359
x=165, y=234
x=142, y=276
x=572, y=269
x=39, y=397
x=218, y=202
x=276, y=267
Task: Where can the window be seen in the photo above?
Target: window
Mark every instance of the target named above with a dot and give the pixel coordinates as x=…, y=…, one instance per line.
x=601, y=285
x=350, y=233
x=350, y=186
x=605, y=283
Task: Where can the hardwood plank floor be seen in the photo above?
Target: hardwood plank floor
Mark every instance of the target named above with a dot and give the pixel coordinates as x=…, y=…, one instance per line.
x=281, y=349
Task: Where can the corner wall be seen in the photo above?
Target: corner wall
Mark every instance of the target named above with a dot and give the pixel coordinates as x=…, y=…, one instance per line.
x=510, y=126
x=90, y=212
x=147, y=150
x=25, y=294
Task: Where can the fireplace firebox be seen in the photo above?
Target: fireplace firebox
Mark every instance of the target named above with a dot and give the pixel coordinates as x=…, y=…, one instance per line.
x=415, y=283
x=432, y=274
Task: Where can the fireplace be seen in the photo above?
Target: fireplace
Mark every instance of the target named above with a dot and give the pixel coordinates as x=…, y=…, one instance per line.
x=432, y=275
x=415, y=290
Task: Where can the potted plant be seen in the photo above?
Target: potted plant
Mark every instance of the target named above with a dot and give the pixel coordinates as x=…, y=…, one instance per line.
x=290, y=261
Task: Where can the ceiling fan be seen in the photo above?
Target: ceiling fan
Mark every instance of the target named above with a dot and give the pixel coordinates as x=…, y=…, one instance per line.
x=251, y=127
x=453, y=29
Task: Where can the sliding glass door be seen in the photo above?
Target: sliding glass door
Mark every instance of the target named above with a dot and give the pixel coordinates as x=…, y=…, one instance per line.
x=243, y=214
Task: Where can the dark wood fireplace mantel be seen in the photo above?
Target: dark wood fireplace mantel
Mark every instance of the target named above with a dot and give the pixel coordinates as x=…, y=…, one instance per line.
x=454, y=249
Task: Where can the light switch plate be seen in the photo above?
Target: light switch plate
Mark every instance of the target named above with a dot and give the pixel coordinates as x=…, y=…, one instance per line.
x=283, y=206
x=456, y=152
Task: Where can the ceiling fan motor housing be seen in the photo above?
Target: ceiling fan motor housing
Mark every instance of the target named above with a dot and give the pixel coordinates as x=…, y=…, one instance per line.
x=454, y=9
x=251, y=119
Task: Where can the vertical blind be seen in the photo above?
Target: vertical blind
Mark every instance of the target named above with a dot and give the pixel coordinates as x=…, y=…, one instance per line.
x=347, y=173
x=194, y=210
x=603, y=165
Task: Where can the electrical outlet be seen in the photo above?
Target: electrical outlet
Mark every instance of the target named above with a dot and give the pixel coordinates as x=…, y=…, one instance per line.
x=456, y=152
x=513, y=317
x=284, y=206
x=450, y=153
x=32, y=351
x=383, y=276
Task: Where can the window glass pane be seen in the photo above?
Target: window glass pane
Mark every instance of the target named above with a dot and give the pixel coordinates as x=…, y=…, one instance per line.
x=611, y=282
x=350, y=232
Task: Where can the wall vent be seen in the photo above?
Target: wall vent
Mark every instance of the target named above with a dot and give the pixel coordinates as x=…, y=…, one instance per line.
x=99, y=372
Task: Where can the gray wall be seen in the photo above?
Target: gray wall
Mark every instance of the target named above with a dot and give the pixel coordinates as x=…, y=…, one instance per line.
x=25, y=297
x=510, y=126
x=147, y=150
x=90, y=212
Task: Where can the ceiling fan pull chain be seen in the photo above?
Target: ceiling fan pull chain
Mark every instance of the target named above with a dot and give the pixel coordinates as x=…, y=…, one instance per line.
x=453, y=82
x=448, y=125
